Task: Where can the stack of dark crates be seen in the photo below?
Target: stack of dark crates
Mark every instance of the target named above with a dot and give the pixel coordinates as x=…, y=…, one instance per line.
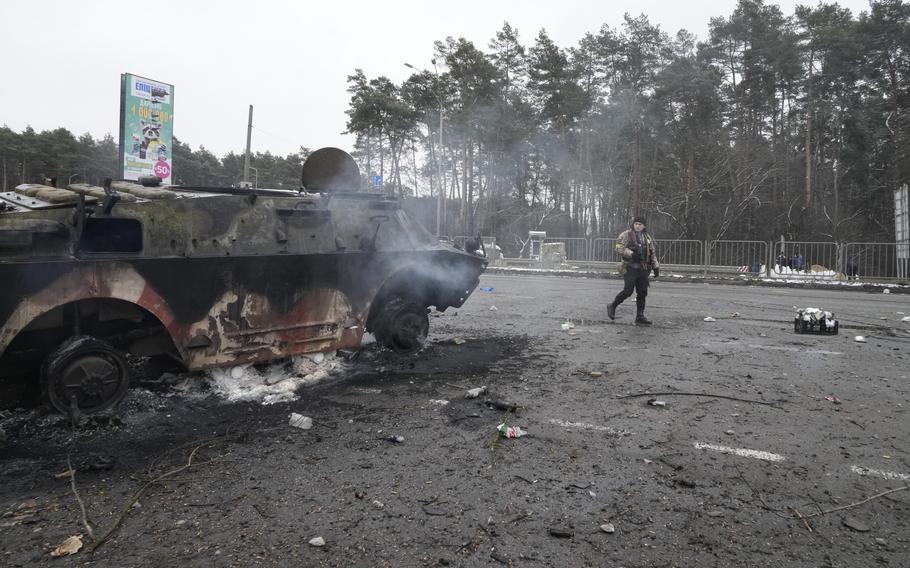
x=815, y=320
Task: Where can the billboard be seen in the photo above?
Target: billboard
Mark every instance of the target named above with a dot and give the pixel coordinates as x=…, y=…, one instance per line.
x=146, y=128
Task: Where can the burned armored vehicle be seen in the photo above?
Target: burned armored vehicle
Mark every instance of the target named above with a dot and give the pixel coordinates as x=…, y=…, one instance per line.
x=210, y=277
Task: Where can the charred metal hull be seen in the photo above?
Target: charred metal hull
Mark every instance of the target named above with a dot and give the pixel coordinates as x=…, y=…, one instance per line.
x=228, y=310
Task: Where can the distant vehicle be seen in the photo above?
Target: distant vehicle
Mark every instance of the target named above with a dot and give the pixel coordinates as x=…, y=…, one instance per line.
x=211, y=277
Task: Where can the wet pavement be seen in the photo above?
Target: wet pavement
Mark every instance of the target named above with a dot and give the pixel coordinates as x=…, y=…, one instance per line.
x=770, y=448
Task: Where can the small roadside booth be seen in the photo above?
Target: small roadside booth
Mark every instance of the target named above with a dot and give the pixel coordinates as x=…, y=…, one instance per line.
x=535, y=240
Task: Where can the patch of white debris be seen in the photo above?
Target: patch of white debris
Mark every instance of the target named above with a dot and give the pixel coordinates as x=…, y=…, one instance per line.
x=271, y=384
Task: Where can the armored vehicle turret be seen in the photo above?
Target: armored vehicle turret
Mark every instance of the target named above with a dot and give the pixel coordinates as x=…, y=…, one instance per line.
x=211, y=277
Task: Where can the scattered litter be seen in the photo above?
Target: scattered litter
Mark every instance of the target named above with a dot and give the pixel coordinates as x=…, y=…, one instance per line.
x=486, y=288
x=510, y=431
x=608, y=528
x=859, y=339
x=72, y=545
x=709, y=318
x=856, y=524
x=493, y=308
x=394, y=439
x=458, y=341
x=474, y=393
x=567, y=325
x=717, y=513
x=300, y=421
x=560, y=532
x=907, y=318
x=438, y=402
x=592, y=494
x=378, y=504
x=729, y=432
x=832, y=398
x=734, y=315
x=596, y=374
x=501, y=405
x=318, y=541
x=886, y=291
x=655, y=402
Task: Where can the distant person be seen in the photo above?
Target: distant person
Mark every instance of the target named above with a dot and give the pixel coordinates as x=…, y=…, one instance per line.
x=781, y=262
x=797, y=262
x=850, y=271
x=639, y=258
x=756, y=269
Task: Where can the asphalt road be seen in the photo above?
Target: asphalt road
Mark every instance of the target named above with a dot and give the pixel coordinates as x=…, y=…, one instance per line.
x=746, y=463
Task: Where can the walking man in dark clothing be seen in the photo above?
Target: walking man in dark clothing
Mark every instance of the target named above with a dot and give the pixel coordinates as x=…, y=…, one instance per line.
x=636, y=247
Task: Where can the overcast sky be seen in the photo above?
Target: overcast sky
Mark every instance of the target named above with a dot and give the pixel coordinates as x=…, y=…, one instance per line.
x=62, y=59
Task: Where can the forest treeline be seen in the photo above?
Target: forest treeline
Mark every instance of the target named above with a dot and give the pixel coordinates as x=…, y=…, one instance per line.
x=775, y=124
x=33, y=157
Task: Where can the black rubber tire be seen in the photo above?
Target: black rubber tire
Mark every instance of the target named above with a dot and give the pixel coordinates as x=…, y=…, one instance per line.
x=402, y=325
x=89, y=369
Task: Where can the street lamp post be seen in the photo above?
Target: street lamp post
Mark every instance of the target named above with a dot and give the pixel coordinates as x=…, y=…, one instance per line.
x=440, y=195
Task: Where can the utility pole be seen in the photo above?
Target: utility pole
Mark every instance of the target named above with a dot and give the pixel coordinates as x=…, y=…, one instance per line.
x=246, y=156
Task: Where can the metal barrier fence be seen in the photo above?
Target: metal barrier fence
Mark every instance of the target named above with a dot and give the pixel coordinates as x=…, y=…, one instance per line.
x=577, y=248
x=790, y=259
x=602, y=250
x=680, y=252
x=876, y=260
x=738, y=256
x=803, y=257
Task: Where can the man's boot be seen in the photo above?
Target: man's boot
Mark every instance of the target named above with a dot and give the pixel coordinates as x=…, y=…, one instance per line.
x=611, y=310
x=640, y=311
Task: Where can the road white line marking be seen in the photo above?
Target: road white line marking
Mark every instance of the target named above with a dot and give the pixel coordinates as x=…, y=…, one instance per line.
x=859, y=470
x=796, y=349
x=586, y=426
x=742, y=452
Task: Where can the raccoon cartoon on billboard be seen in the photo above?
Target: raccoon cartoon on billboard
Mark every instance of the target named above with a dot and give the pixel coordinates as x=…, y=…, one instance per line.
x=146, y=128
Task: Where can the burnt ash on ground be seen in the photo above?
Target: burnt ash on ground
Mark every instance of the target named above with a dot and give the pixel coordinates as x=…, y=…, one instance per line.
x=239, y=447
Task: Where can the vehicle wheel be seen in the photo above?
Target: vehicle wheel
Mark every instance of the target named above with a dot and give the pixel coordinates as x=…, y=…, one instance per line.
x=796, y=325
x=86, y=372
x=402, y=325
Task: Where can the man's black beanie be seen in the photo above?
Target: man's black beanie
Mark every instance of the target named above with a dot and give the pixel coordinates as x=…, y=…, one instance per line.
x=638, y=219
